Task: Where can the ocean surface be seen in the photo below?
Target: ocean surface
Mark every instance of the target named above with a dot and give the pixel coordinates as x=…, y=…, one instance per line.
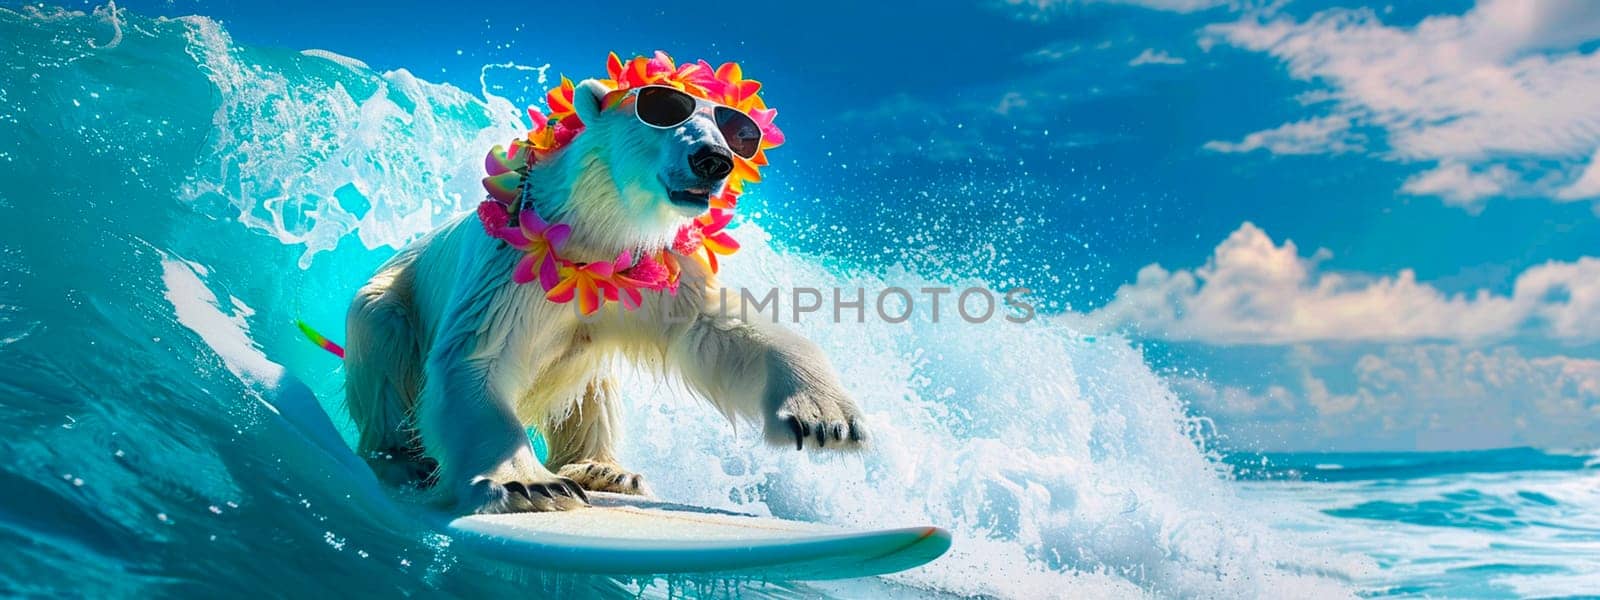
x=172, y=201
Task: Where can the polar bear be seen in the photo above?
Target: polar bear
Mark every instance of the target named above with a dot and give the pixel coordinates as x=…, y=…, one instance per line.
x=448, y=360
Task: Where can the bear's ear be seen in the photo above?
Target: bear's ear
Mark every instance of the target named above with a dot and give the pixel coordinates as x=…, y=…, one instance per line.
x=586, y=100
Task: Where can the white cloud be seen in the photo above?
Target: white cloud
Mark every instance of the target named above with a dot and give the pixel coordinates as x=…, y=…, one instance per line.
x=1011, y=101
x=1422, y=397
x=1434, y=397
x=1459, y=185
x=1322, y=135
x=1152, y=56
x=1253, y=291
x=1587, y=185
x=1227, y=400
x=1504, y=81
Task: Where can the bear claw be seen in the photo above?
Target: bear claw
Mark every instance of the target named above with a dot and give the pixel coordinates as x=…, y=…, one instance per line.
x=840, y=434
x=600, y=476
x=561, y=488
x=530, y=496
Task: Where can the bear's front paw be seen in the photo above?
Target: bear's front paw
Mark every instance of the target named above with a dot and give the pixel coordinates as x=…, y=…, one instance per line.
x=488, y=495
x=605, y=477
x=827, y=418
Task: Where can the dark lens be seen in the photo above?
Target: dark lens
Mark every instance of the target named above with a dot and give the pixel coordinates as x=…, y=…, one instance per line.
x=664, y=106
x=739, y=130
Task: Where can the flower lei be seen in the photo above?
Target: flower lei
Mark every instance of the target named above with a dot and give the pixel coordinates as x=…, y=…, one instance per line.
x=634, y=271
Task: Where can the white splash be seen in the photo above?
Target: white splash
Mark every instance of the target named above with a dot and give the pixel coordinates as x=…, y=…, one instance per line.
x=1061, y=462
x=311, y=162
x=226, y=331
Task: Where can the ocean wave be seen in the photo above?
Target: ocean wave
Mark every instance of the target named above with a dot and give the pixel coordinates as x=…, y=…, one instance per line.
x=160, y=193
x=1357, y=466
x=1455, y=533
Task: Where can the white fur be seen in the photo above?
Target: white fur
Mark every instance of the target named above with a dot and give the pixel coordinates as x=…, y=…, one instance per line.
x=450, y=360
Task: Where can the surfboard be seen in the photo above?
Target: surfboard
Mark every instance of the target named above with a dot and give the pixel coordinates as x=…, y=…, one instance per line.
x=633, y=536
x=630, y=535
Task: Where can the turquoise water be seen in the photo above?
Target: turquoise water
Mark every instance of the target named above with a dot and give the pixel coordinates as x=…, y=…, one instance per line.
x=1513, y=523
x=172, y=201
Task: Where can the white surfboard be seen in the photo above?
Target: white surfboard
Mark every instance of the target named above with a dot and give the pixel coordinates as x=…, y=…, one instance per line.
x=628, y=535
x=636, y=536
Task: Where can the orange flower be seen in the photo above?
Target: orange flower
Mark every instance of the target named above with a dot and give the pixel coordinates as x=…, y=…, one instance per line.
x=727, y=200
x=746, y=169
x=737, y=91
x=706, y=232
x=590, y=284
x=559, y=99
x=674, y=270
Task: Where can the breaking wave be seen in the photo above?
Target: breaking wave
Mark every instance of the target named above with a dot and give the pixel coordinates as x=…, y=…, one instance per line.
x=173, y=201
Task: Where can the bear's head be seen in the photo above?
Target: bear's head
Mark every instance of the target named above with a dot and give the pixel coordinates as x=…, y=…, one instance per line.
x=627, y=172
x=660, y=175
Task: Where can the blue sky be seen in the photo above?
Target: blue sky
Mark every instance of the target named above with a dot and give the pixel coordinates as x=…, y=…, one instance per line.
x=1336, y=225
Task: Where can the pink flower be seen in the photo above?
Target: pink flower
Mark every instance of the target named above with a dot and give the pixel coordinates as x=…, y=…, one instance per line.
x=771, y=136
x=688, y=241
x=624, y=287
x=659, y=66
x=648, y=274
x=716, y=241
x=493, y=216
x=539, y=241
x=564, y=133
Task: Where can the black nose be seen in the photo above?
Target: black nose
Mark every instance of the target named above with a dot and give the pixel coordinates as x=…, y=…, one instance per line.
x=711, y=162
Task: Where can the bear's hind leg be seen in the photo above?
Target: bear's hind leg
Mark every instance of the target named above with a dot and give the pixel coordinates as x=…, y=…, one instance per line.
x=582, y=445
x=381, y=378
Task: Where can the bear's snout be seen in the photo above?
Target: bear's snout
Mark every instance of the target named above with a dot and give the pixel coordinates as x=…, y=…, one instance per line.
x=711, y=162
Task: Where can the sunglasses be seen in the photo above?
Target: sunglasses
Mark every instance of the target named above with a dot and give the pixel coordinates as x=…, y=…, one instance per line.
x=666, y=107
